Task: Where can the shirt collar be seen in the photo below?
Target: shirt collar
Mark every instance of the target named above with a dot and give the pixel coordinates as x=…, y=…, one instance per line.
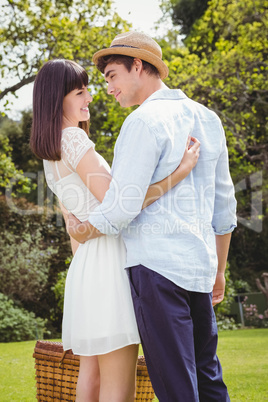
x=166, y=94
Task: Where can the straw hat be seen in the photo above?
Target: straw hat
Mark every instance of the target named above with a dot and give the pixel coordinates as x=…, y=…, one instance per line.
x=136, y=44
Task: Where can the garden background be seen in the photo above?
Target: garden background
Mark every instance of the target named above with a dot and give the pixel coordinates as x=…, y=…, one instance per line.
x=217, y=54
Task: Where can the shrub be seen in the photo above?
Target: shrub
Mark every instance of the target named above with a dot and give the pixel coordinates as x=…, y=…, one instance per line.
x=46, y=225
x=24, y=265
x=226, y=323
x=17, y=324
x=58, y=289
x=242, y=286
x=252, y=317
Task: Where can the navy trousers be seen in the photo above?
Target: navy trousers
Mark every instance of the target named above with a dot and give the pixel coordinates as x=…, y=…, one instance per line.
x=179, y=337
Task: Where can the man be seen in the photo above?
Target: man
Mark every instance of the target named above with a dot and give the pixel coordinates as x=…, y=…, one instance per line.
x=177, y=247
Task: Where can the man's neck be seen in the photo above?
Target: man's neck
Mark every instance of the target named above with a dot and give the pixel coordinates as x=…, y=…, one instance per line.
x=150, y=86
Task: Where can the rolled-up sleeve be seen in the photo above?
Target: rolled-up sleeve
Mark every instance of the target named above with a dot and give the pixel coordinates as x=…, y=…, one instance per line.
x=224, y=217
x=136, y=156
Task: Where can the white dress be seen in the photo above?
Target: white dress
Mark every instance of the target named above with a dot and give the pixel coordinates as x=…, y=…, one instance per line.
x=98, y=315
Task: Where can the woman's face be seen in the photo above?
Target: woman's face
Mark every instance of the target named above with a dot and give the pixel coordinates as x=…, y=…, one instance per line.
x=75, y=107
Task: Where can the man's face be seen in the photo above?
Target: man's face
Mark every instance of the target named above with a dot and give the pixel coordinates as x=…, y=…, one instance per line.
x=122, y=84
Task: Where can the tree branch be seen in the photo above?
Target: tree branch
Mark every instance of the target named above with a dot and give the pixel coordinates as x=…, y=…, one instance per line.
x=17, y=86
x=259, y=286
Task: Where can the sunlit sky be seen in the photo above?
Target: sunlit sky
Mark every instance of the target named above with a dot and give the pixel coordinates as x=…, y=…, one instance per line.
x=141, y=13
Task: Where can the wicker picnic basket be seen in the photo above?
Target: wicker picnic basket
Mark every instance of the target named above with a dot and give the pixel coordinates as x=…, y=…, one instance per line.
x=57, y=373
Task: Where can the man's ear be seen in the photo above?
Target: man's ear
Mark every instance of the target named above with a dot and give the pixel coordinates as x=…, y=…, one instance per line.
x=137, y=64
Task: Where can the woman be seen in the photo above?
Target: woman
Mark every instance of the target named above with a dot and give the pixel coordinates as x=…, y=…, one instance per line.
x=98, y=320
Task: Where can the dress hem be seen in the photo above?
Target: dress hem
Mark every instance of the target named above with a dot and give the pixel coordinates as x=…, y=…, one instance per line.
x=101, y=353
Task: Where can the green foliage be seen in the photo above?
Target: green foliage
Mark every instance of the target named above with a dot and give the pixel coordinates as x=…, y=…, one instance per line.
x=17, y=324
x=227, y=23
x=241, y=286
x=227, y=73
x=25, y=264
x=185, y=12
x=18, y=134
x=33, y=32
x=59, y=288
x=248, y=254
x=252, y=316
x=8, y=172
x=33, y=240
x=225, y=323
x=51, y=238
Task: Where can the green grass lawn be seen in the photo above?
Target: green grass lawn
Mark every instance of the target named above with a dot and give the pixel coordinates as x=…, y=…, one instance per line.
x=243, y=354
x=244, y=358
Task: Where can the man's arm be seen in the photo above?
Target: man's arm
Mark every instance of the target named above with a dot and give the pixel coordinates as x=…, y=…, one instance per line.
x=137, y=153
x=83, y=231
x=224, y=215
x=79, y=231
x=224, y=218
x=222, y=247
x=136, y=157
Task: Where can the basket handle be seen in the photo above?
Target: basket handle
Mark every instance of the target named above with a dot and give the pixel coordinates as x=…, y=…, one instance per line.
x=62, y=358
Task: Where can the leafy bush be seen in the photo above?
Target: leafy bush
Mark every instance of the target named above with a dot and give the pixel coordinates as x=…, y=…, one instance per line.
x=8, y=170
x=58, y=289
x=17, y=324
x=226, y=323
x=252, y=317
x=241, y=286
x=24, y=265
x=45, y=225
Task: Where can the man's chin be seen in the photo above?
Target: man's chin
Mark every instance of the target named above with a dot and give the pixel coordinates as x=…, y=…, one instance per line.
x=122, y=103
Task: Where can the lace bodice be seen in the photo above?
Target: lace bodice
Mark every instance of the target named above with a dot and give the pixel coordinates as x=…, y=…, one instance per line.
x=62, y=178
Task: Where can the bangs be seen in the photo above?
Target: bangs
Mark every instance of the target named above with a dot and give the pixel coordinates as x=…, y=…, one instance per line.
x=76, y=77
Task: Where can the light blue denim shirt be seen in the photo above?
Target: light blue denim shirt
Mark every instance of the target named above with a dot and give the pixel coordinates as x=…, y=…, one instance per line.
x=174, y=236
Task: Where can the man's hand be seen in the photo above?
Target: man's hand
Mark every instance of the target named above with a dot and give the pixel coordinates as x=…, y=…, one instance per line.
x=81, y=231
x=73, y=227
x=71, y=222
x=222, y=246
x=218, y=289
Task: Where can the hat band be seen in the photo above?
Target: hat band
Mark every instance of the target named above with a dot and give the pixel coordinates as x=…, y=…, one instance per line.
x=133, y=47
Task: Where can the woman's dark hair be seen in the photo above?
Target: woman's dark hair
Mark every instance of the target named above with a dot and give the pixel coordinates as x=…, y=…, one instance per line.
x=53, y=82
x=127, y=61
